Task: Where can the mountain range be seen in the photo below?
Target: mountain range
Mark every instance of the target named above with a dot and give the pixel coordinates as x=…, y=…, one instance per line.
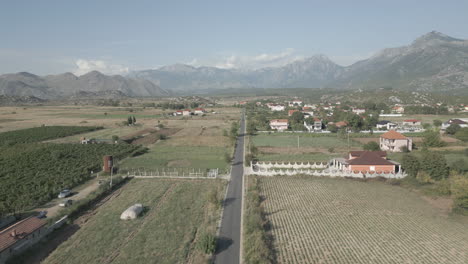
x=432, y=62
x=93, y=84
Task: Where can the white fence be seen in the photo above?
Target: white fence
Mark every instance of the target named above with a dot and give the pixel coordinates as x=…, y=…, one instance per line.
x=185, y=173
x=289, y=165
x=312, y=169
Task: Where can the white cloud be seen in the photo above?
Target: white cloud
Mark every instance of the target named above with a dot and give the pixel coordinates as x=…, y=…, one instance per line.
x=85, y=66
x=250, y=62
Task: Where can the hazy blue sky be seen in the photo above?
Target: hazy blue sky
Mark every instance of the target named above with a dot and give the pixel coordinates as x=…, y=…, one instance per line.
x=45, y=37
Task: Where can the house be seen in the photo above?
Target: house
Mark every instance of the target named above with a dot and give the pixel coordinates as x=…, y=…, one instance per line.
x=242, y=102
x=279, y=124
x=186, y=112
x=295, y=103
x=199, y=111
x=307, y=111
x=460, y=122
x=394, y=142
x=177, y=113
x=276, y=107
x=411, y=122
x=19, y=236
x=315, y=126
x=398, y=109
x=359, y=111
x=366, y=161
x=385, y=125
x=291, y=112
x=341, y=124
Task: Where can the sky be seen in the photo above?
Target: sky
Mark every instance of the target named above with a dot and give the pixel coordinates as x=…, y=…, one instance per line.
x=115, y=37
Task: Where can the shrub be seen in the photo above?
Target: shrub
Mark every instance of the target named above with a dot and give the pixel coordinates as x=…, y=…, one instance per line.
x=371, y=146
x=411, y=165
x=452, y=129
x=432, y=139
x=207, y=243
x=435, y=165
x=462, y=134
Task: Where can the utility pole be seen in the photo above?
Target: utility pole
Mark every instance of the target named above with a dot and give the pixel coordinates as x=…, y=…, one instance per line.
x=112, y=170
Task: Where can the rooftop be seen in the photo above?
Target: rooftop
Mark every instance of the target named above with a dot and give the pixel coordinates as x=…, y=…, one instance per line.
x=392, y=134
x=370, y=158
x=21, y=229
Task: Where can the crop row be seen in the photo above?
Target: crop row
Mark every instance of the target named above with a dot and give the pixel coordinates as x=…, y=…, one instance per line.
x=322, y=220
x=31, y=174
x=38, y=134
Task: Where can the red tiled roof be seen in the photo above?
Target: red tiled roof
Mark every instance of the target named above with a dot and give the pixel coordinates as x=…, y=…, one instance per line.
x=290, y=112
x=279, y=120
x=22, y=229
x=341, y=124
x=411, y=120
x=392, y=134
x=370, y=158
x=358, y=153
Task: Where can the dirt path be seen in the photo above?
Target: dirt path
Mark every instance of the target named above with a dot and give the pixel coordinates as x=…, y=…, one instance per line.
x=79, y=193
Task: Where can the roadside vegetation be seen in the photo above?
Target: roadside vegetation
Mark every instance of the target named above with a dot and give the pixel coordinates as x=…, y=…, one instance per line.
x=257, y=239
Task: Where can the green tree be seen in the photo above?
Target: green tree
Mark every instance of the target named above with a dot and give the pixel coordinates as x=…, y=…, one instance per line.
x=371, y=146
x=296, y=118
x=130, y=120
x=432, y=139
x=356, y=123
x=452, y=129
x=133, y=120
x=332, y=128
x=462, y=134
x=437, y=123
x=435, y=165
x=411, y=165
x=251, y=128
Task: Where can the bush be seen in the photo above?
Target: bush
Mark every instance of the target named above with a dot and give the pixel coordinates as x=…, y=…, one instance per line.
x=435, y=165
x=207, y=243
x=462, y=134
x=432, y=139
x=452, y=129
x=371, y=146
x=411, y=165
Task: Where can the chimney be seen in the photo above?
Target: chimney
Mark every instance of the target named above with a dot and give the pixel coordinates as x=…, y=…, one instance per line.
x=13, y=233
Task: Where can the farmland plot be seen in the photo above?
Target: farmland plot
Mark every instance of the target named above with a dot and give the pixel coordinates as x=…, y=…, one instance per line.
x=177, y=214
x=325, y=220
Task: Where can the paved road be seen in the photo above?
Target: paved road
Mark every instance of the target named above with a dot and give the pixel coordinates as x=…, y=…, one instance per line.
x=228, y=251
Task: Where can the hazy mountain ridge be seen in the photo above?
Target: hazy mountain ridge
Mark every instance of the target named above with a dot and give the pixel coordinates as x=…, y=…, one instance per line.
x=433, y=61
x=67, y=84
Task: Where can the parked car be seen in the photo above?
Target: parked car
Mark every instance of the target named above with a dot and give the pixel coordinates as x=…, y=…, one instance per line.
x=66, y=203
x=42, y=214
x=65, y=193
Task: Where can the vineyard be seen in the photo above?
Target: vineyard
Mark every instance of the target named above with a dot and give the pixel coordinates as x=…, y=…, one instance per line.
x=31, y=174
x=38, y=134
x=326, y=220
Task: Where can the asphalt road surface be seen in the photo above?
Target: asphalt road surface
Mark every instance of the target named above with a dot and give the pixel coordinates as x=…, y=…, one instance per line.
x=228, y=248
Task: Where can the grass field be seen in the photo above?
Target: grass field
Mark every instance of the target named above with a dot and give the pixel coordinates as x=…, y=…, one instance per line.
x=326, y=220
x=284, y=147
x=178, y=213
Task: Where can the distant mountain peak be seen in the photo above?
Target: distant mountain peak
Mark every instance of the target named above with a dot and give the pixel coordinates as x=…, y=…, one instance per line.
x=433, y=37
x=178, y=67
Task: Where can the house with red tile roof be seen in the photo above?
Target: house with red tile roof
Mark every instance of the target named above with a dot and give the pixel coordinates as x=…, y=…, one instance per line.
x=19, y=236
x=366, y=161
x=395, y=142
x=279, y=124
x=291, y=112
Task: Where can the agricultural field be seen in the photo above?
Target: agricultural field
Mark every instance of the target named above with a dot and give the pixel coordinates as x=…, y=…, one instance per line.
x=284, y=147
x=178, y=214
x=198, y=143
x=32, y=174
x=328, y=220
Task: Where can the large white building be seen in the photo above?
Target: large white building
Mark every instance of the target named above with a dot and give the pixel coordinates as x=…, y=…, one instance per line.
x=279, y=124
